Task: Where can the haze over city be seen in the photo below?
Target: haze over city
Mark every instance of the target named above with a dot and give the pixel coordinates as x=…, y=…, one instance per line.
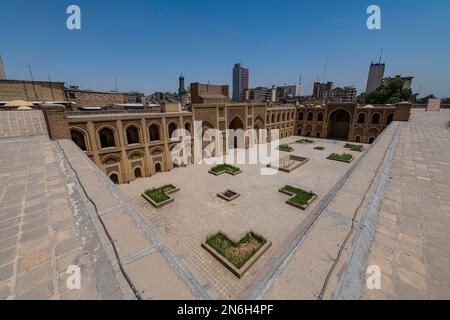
x=147, y=45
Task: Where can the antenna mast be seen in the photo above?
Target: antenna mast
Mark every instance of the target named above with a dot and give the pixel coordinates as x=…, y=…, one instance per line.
x=381, y=55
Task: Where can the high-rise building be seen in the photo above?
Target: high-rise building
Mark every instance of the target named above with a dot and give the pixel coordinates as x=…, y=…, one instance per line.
x=2, y=70
x=323, y=90
x=240, y=81
x=376, y=74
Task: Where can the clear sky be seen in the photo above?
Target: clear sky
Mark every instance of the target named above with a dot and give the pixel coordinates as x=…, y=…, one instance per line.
x=147, y=44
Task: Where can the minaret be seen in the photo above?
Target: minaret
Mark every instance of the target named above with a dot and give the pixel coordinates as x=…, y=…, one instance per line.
x=181, y=91
x=2, y=70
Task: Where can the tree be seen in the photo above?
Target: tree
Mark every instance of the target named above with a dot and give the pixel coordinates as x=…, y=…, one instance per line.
x=390, y=92
x=424, y=100
x=446, y=101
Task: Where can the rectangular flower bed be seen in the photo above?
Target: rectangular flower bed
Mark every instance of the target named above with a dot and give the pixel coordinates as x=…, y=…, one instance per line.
x=345, y=157
x=299, y=198
x=224, y=168
x=239, y=256
x=319, y=148
x=285, y=148
x=354, y=147
x=305, y=141
x=159, y=197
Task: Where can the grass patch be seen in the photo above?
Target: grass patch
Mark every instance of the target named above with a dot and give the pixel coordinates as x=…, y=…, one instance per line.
x=159, y=194
x=341, y=157
x=225, y=167
x=300, y=197
x=285, y=148
x=354, y=147
x=238, y=253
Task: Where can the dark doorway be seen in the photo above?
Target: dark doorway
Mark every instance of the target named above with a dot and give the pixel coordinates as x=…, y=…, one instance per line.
x=78, y=138
x=107, y=138
x=235, y=125
x=132, y=135
x=158, y=167
x=339, y=124
x=114, y=178
x=138, y=173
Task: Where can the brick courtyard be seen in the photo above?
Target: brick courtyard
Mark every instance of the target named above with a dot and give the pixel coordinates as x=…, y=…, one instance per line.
x=197, y=212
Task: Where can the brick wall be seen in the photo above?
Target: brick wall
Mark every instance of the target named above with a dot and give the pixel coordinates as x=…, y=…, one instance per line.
x=31, y=91
x=95, y=99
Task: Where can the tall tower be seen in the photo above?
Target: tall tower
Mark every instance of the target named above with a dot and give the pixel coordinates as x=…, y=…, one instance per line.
x=2, y=70
x=181, y=90
x=240, y=81
x=376, y=74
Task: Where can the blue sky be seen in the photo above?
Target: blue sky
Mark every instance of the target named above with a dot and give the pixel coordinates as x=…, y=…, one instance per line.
x=147, y=44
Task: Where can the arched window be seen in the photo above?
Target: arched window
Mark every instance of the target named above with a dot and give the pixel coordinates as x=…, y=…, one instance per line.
x=172, y=127
x=114, y=178
x=107, y=139
x=132, y=135
x=138, y=173
x=361, y=118
x=273, y=117
x=376, y=118
x=279, y=117
x=390, y=118
x=320, y=116
x=78, y=138
x=153, y=131
x=310, y=116
x=300, y=116
x=187, y=127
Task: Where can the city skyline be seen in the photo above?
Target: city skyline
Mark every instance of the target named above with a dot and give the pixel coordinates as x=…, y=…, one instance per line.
x=119, y=43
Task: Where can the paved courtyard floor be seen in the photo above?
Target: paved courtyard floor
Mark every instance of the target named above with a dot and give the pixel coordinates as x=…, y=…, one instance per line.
x=197, y=211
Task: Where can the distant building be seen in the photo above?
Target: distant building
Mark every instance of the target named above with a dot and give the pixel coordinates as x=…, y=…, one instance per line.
x=2, y=70
x=346, y=94
x=289, y=91
x=85, y=99
x=323, y=90
x=261, y=94
x=209, y=93
x=240, y=81
x=375, y=78
x=407, y=81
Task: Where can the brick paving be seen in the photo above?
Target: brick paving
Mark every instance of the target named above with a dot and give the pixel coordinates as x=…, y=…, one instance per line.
x=412, y=242
x=197, y=212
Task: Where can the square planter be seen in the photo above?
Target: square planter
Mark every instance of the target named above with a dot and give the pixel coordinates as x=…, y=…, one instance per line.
x=162, y=203
x=225, y=170
x=228, y=195
x=238, y=272
x=330, y=157
x=295, y=204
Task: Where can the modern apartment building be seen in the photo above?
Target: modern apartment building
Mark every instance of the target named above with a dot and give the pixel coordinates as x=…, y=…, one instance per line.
x=240, y=81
